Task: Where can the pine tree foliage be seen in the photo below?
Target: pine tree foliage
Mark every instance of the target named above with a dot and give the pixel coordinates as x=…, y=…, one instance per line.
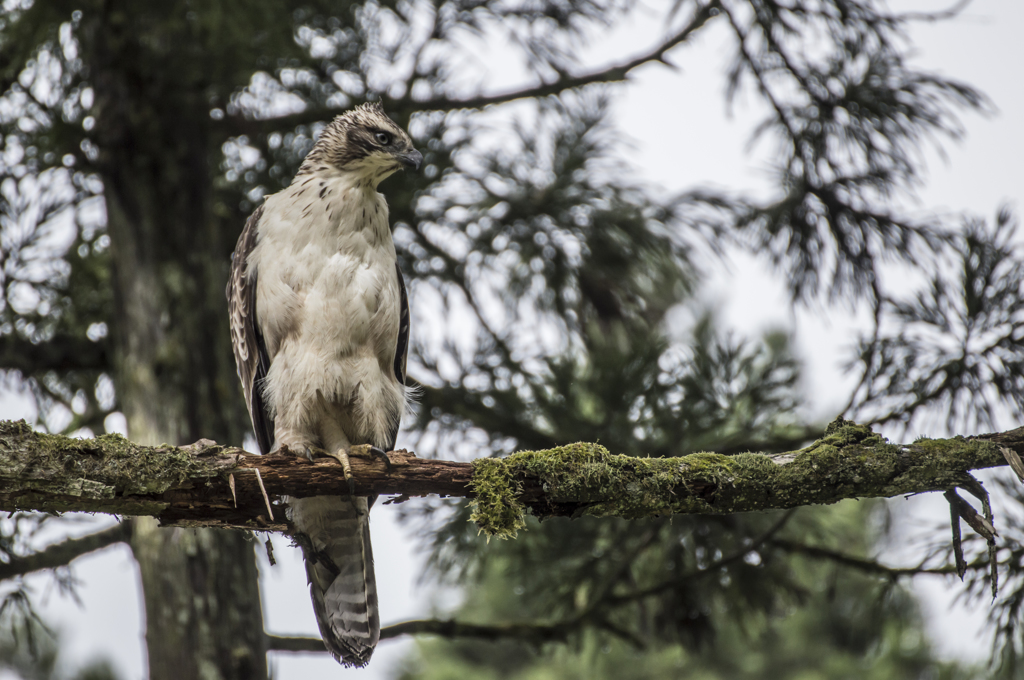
x=958, y=341
x=849, y=116
x=555, y=296
x=826, y=621
x=29, y=649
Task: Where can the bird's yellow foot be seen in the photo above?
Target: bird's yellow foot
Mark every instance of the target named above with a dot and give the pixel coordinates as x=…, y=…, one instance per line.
x=342, y=456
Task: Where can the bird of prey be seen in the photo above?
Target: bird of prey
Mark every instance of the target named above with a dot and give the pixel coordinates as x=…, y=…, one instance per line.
x=320, y=329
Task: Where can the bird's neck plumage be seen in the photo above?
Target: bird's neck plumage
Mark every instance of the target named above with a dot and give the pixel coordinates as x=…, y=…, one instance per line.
x=326, y=209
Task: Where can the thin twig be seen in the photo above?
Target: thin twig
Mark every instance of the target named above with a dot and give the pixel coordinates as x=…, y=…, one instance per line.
x=266, y=499
x=712, y=568
x=941, y=15
x=1014, y=461
x=270, y=552
x=61, y=554
x=865, y=564
x=954, y=520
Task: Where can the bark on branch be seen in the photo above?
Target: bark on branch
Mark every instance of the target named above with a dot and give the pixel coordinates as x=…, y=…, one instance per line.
x=206, y=484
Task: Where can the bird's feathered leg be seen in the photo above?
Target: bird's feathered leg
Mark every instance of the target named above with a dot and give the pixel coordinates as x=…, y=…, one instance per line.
x=332, y=433
x=363, y=450
x=295, y=443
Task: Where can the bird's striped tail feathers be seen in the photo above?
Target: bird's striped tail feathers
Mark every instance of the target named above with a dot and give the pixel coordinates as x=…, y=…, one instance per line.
x=335, y=542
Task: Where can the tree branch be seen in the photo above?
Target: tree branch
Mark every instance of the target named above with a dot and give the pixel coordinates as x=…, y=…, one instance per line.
x=868, y=565
x=61, y=554
x=291, y=643
x=711, y=569
x=401, y=107
x=525, y=632
x=61, y=353
x=192, y=485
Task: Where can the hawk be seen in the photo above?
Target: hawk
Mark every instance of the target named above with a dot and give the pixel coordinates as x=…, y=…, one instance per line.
x=320, y=329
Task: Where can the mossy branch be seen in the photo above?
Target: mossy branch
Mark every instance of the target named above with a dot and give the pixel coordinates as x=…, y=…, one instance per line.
x=206, y=484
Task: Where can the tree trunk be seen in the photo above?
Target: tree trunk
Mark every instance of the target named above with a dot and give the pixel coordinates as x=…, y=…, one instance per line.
x=174, y=369
x=203, y=615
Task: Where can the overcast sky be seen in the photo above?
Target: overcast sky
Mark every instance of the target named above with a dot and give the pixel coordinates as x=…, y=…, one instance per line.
x=680, y=137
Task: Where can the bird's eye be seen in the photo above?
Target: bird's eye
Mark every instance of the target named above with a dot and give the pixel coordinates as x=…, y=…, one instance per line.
x=382, y=138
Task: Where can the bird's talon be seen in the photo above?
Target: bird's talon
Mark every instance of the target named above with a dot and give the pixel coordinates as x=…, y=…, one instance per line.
x=379, y=453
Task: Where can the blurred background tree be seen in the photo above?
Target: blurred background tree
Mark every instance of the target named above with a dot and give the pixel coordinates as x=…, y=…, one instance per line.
x=556, y=299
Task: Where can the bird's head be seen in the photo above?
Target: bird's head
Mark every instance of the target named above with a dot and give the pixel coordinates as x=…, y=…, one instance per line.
x=365, y=142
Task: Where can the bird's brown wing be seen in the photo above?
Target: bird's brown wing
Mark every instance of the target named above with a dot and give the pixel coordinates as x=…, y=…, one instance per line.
x=246, y=338
x=402, y=348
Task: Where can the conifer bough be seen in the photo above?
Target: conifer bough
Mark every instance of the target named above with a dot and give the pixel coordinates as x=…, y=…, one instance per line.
x=206, y=484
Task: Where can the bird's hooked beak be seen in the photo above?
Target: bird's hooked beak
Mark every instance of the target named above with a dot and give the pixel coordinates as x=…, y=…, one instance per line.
x=410, y=159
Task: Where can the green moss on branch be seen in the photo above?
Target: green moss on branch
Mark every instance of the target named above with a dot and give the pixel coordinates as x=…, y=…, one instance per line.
x=850, y=461
x=93, y=468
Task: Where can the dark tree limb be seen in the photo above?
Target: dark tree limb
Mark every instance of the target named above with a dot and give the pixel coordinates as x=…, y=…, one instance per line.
x=400, y=107
x=293, y=643
x=61, y=353
x=526, y=632
x=61, y=554
x=868, y=565
x=189, y=486
x=712, y=569
x=456, y=629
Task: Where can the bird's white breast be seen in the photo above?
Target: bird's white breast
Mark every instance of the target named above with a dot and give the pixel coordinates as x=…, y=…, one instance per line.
x=327, y=301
